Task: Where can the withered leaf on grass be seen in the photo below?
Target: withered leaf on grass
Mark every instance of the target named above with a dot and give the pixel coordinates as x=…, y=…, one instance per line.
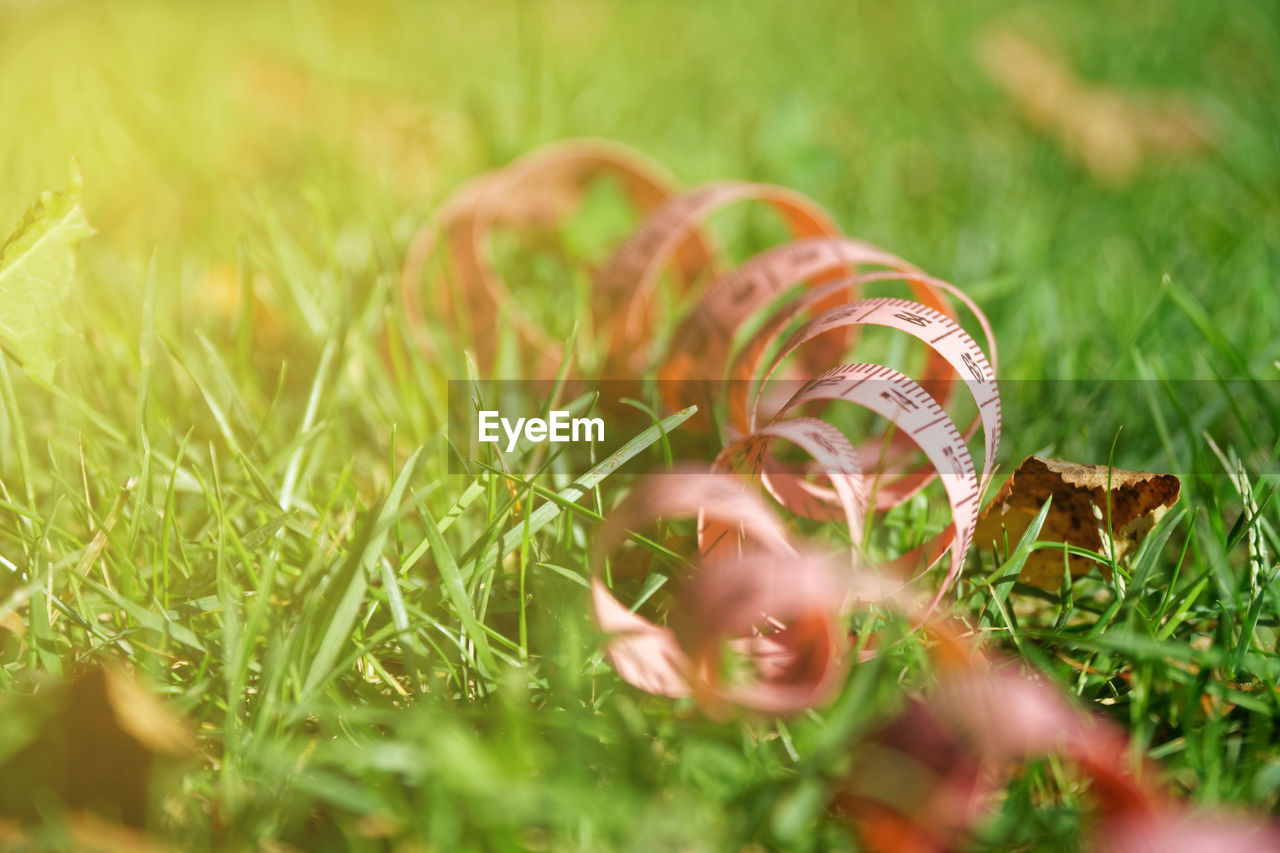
x=12, y=623
x=94, y=745
x=1111, y=132
x=1078, y=514
x=12, y=630
x=84, y=833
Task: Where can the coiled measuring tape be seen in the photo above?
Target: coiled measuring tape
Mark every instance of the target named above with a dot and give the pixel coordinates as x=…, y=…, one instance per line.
x=538, y=189
x=806, y=297
x=750, y=569
x=627, y=282
x=829, y=268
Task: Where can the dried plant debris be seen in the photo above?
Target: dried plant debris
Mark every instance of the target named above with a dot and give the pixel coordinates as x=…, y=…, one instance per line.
x=1109, y=131
x=12, y=633
x=89, y=745
x=1083, y=495
x=11, y=622
x=82, y=832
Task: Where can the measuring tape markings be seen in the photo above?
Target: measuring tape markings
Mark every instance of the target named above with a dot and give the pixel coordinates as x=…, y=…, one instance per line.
x=703, y=341
x=917, y=414
x=946, y=338
x=628, y=280
x=827, y=446
x=955, y=352
x=752, y=287
x=962, y=353
x=945, y=446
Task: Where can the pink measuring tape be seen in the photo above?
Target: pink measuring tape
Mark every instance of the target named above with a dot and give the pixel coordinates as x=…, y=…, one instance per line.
x=805, y=299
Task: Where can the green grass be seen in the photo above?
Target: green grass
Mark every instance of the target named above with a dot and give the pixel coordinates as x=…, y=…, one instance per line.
x=257, y=511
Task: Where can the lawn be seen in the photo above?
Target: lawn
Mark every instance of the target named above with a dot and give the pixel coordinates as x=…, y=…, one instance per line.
x=237, y=496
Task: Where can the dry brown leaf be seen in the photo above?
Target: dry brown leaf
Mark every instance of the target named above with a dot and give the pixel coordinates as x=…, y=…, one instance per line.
x=12, y=623
x=95, y=747
x=12, y=631
x=1110, y=131
x=142, y=715
x=88, y=833
x=92, y=834
x=11, y=834
x=1078, y=515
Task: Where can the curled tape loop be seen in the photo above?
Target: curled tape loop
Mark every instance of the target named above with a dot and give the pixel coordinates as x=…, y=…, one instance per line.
x=540, y=188
x=806, y=301
x=778, y=607
x=627, y=282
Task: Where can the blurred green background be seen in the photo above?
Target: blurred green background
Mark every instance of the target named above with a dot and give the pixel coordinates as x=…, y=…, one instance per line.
x=352, y=119
x=303, y=143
